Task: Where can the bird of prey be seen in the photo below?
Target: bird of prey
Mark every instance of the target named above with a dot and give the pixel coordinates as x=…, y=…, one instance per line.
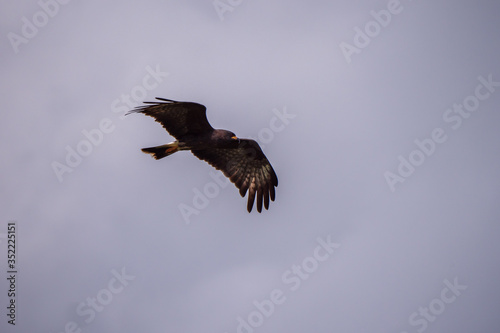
x=241, y=160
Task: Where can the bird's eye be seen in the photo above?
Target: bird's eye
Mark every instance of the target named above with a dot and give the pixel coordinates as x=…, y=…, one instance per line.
x=234, y=137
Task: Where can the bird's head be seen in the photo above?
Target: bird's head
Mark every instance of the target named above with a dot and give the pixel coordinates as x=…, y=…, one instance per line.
x=226, y=137
x=235, y=138
x=231, y=136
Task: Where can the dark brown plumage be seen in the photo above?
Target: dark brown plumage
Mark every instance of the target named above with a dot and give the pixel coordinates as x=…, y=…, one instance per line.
x=241, y=160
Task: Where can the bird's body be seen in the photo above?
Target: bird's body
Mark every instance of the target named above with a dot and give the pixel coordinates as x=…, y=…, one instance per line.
x=241, y=160
x=213, y=139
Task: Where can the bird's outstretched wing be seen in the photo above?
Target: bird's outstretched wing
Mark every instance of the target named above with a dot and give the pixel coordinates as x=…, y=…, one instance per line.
x=248, y=168
x=178, y=118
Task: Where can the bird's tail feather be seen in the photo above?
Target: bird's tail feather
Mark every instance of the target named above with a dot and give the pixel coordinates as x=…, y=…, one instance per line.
x=162, y=151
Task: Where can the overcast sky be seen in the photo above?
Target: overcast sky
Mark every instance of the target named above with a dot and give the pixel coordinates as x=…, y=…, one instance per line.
x=381, y=121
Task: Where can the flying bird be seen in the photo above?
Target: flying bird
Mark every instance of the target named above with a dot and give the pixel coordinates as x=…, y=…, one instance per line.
x=240, y=160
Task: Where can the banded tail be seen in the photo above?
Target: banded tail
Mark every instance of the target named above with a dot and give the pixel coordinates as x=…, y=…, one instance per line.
x=162, y=151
